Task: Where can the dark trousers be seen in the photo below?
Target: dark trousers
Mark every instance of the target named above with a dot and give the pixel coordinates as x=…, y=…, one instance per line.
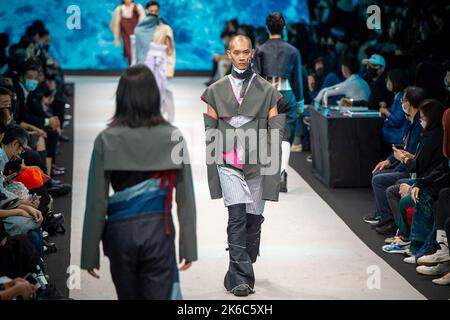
x=291, y=113
x=59, y=109
x=393, y=196
x=244, y=235
x=442, y=212
x=381, y=180
x=51, y=142
x=302, y=130
x=142, y=257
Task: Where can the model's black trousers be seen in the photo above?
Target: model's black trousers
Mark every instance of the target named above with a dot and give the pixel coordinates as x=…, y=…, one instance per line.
x=244, y=237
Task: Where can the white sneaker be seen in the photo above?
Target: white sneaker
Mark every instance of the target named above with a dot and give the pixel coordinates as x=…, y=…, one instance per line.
x=440, y=256
x=444, y=281
x=410, y=260
x=439, y=270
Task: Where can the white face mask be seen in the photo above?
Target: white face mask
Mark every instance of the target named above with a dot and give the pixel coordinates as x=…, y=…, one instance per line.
x=404, y=109
x=423, y=124
x=389, y=86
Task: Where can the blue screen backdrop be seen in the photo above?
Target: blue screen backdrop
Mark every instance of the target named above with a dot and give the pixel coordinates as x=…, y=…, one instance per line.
x=196, y=23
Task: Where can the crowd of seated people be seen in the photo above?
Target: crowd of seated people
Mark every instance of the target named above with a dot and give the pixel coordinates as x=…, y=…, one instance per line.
x=33, y=102
x=405, y=75
x=403, y=71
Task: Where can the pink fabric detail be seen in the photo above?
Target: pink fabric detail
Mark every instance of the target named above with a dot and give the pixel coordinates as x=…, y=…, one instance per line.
x=233, y=159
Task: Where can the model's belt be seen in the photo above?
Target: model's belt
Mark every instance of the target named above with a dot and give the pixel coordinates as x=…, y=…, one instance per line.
x=279, y=83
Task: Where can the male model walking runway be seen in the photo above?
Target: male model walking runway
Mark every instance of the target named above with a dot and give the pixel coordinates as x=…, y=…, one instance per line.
x=243, y=102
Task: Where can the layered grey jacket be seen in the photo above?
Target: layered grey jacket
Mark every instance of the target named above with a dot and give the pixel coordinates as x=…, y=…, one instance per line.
x=257, y=102
x=137, y=149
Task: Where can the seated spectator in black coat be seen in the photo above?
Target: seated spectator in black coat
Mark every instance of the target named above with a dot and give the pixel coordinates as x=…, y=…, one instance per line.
x=375, y=76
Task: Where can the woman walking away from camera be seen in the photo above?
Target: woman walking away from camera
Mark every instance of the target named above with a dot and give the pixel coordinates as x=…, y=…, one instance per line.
x=133, y=155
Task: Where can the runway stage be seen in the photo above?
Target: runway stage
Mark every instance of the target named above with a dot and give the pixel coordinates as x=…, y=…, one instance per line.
x=307, y=251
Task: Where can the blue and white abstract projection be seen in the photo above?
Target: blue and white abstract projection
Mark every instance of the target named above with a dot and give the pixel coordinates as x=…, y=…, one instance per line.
x=81, y=38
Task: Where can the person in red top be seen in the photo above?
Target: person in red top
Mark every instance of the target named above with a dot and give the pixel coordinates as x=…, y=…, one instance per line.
x=125, y=18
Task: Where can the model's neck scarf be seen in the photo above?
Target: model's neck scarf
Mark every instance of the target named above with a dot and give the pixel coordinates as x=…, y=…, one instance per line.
x=242, y=75
x=144, y=36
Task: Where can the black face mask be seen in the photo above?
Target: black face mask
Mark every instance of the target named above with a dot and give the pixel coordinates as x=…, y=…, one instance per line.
x=371, y=73
x=46, y=46
x=320, y=72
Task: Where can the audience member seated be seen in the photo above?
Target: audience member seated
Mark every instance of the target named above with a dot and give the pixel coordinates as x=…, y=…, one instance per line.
x=395, y=123
x=354, y=87
x=322, y=77
x=375, y=76
x=386, y=173
x=428, y=156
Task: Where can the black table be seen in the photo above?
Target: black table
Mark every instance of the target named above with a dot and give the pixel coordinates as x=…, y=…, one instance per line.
x=345, y=149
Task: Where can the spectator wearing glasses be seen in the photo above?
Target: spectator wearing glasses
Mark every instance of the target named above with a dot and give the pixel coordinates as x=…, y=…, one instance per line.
x=13, y=144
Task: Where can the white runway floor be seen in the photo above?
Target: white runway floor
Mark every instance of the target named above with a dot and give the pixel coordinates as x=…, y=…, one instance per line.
x=307, y=251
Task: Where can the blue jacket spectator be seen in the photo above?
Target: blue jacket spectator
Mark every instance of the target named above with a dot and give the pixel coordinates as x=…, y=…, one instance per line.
x=396, y=123
x=412, y=136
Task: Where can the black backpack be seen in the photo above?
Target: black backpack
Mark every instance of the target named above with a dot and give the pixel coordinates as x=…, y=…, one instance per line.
x=53, y=223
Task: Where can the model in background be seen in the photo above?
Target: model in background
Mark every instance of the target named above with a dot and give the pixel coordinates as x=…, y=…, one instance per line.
x=125, y=18
x=153, y=45
x=280, y=63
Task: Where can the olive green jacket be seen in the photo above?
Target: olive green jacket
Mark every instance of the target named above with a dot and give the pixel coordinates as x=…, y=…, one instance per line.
x=137, y=149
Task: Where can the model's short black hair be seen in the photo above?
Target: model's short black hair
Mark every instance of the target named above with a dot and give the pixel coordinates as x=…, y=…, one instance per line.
x=31, y=31
x=351, y=63
x=137, y=99
x=14, y=132
x=275, y=23
x=38, y=24
x=234, y=22
x=415, y=96
x=43, y=32
x=226, y=34
x=152, y=3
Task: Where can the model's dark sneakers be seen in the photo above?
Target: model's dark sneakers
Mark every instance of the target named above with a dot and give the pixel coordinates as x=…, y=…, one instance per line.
x=283, y=182
x=242, y=290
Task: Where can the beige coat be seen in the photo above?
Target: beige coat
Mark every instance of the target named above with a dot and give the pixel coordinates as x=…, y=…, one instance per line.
x=164, y=35
x=115, y=21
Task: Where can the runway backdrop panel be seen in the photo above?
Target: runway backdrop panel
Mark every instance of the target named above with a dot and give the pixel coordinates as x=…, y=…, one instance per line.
x=197, y=25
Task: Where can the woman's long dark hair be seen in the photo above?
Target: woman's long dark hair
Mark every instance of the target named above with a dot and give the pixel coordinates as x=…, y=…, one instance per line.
x=398, y=79
x=137, y=99
x=433, y=110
